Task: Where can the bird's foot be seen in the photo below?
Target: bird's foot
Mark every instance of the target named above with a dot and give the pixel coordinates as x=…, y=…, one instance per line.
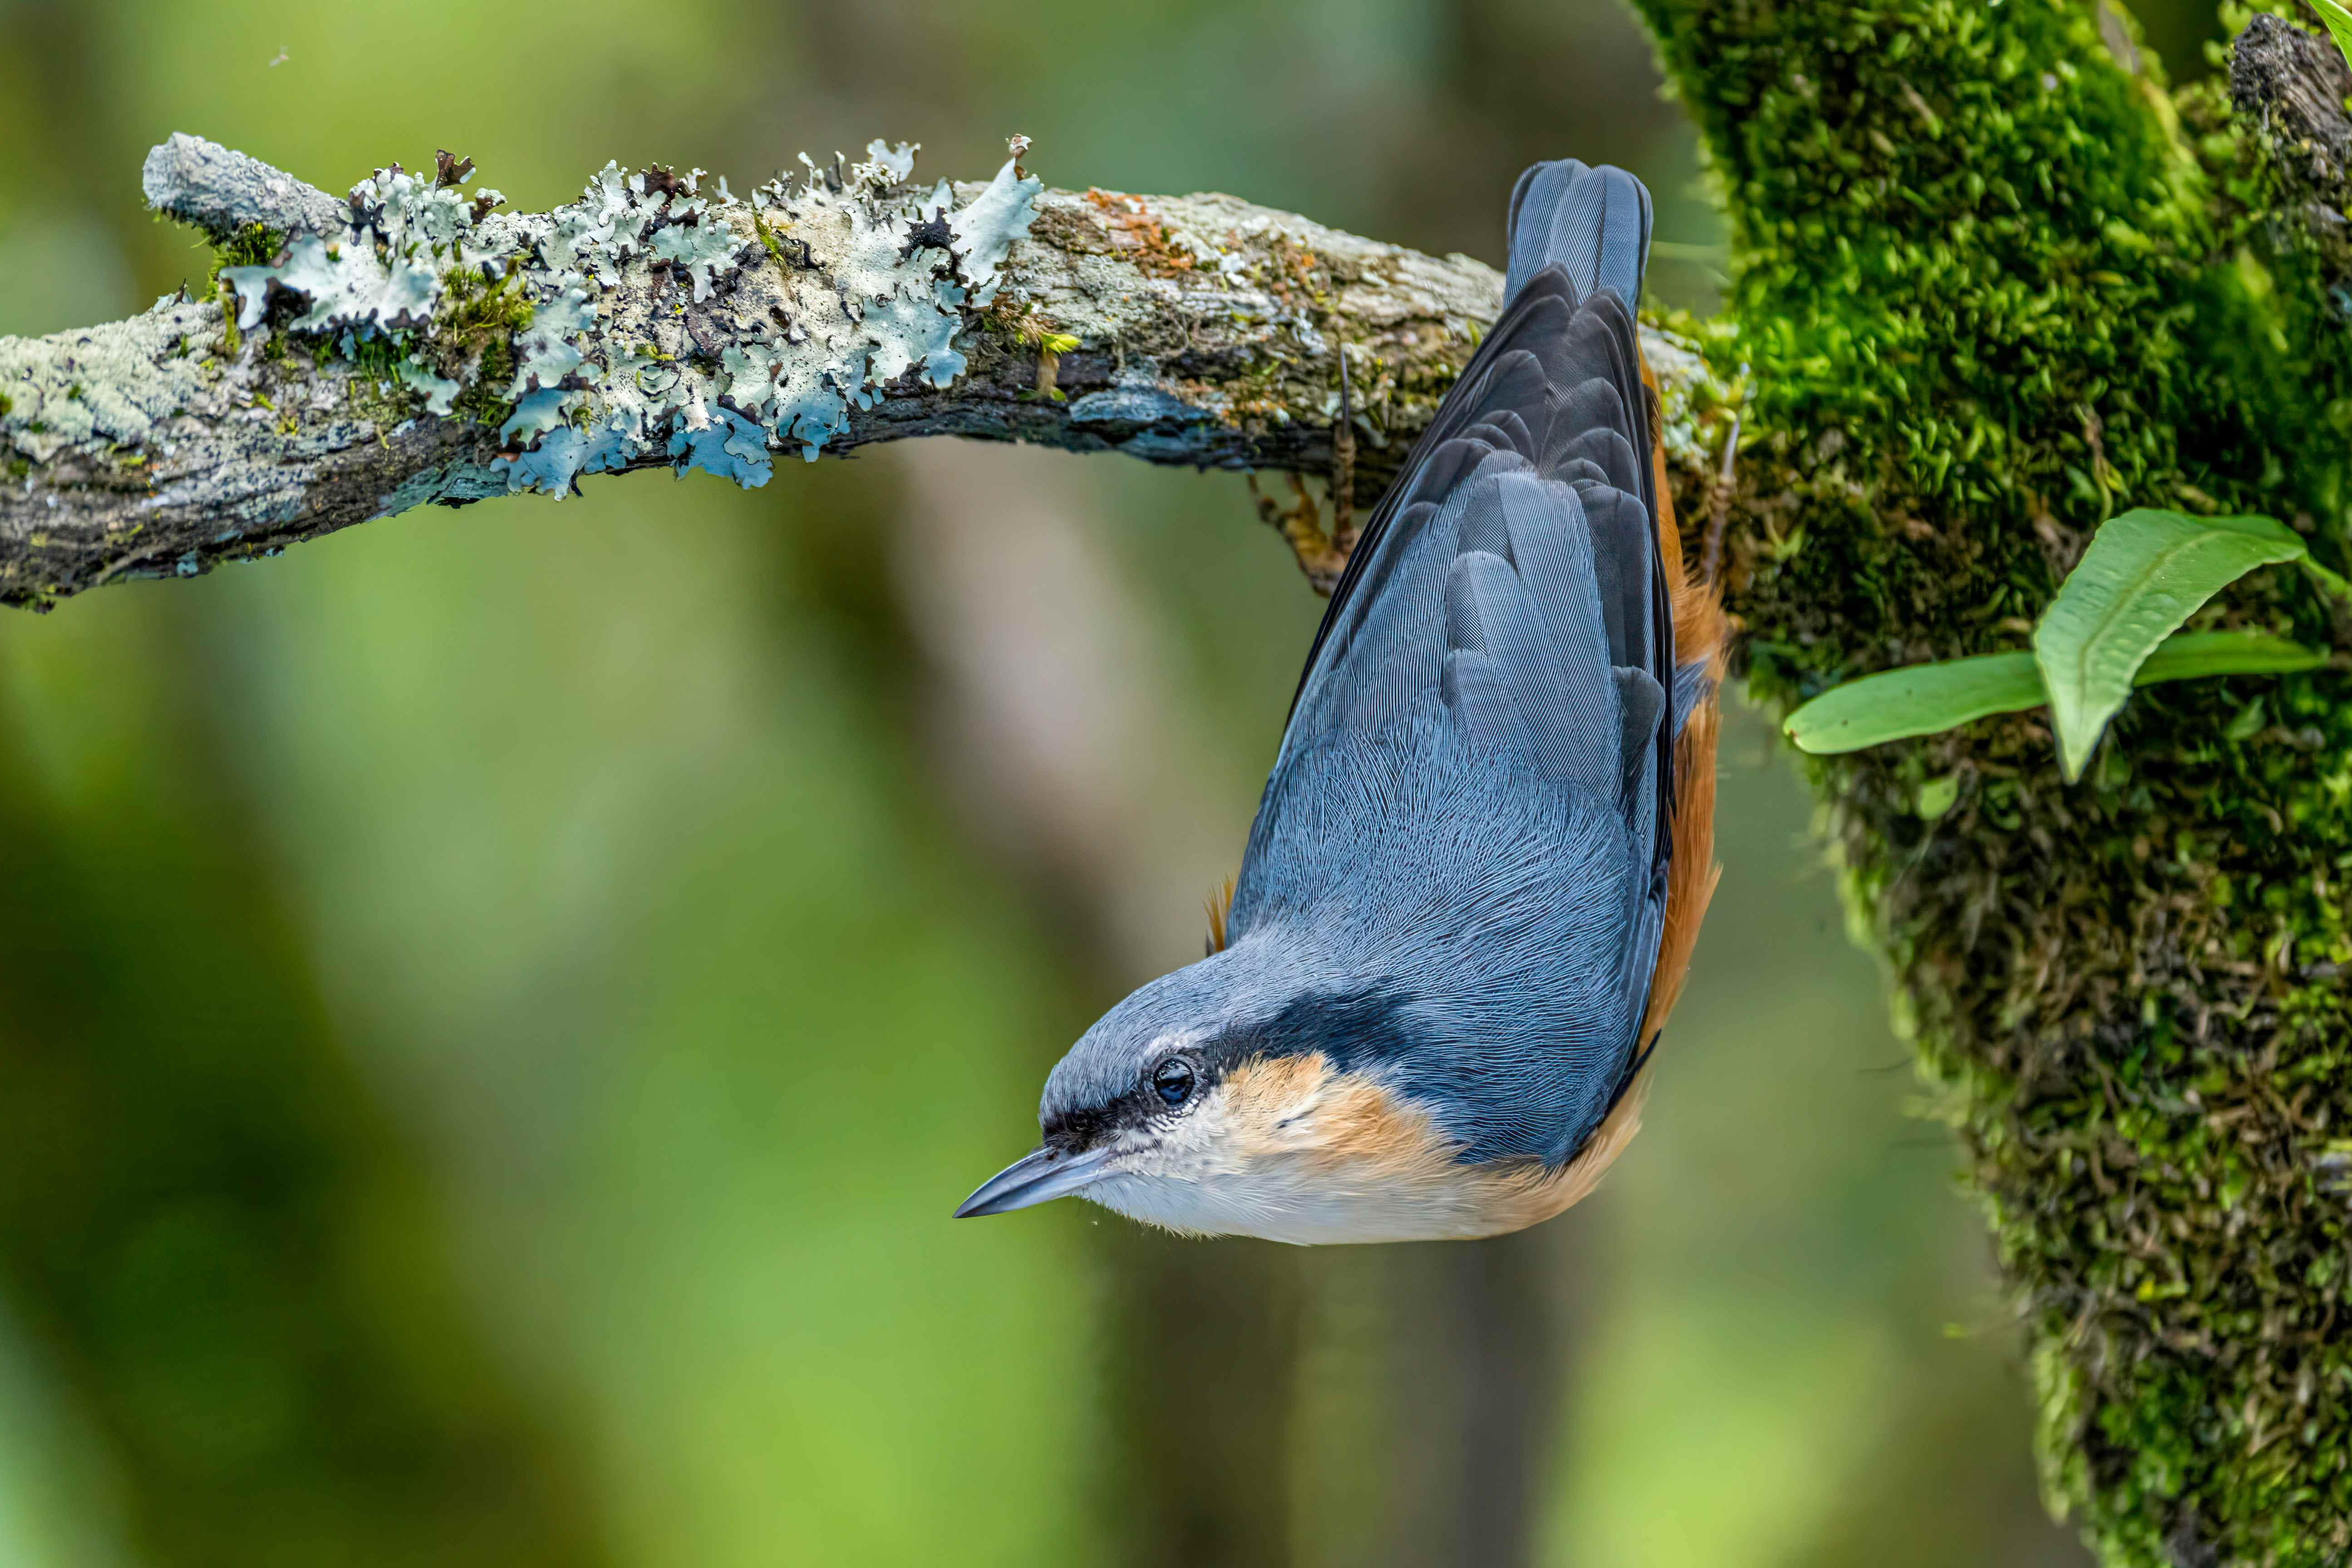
x=1322, y=549
x=1322, y=554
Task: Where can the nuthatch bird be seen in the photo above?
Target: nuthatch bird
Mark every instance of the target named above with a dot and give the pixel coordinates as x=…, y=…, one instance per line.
x=1476, y=874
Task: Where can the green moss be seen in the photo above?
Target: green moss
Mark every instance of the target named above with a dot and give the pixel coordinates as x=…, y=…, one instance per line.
x=774, y=247
x=374, y=356
x=255, y=244
x=252, y=245
x=1990, y=288
x=375, y=392
x=473, y=335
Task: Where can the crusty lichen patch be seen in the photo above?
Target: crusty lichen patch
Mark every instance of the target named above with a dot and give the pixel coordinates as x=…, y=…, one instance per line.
x=1990, y=286
x=651, y=316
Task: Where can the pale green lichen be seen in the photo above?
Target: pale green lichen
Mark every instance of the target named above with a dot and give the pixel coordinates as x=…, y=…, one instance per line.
x=382, y=270
x=804, y=346
x=104, y=386
x=835, y=334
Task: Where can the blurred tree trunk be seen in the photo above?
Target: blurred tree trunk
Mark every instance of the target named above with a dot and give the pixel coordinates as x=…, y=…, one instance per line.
x=1477, y=1351
x=1203, y=1343
x=207, y=1225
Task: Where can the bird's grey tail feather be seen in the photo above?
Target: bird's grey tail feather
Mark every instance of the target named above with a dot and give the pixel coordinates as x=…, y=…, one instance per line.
x=1557, y=386
x=1592, y=222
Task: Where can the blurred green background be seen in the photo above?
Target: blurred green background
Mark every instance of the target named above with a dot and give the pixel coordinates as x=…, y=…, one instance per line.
x=496, y=1006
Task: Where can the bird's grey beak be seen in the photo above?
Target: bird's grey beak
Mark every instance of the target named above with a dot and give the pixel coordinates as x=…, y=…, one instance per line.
x=1036, y=1177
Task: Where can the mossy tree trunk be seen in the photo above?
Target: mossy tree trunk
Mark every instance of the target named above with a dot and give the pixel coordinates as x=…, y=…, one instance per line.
x=1993, y=282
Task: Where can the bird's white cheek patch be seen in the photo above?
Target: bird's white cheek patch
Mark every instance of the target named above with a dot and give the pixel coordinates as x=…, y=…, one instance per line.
x=1201, y=1144
x=1289, y=1150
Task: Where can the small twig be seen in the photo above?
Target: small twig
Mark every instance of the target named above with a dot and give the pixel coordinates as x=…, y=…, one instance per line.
x=1322, y=549
x=1343, y=468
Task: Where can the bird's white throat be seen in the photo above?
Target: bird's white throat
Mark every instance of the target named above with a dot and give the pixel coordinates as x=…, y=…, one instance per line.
x=1289, y=1150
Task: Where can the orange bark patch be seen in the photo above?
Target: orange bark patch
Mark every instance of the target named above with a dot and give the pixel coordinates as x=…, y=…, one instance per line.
x=1138, y=234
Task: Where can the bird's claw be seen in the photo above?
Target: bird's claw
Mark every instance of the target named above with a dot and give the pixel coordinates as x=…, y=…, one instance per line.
x=1320, y=553
x=1322, y=549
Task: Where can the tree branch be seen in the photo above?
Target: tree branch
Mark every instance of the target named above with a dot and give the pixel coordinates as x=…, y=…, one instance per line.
x=414, y=344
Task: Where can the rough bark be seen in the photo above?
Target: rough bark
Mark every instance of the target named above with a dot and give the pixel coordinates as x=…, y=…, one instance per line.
x=657, y=324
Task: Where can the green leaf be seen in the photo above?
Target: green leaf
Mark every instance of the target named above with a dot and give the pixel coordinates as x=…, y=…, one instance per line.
x=1917, y=700
x=2334, y=583
x=2185, y=656
x=2340, y=24
x=1923, y=699
x=2146, y=573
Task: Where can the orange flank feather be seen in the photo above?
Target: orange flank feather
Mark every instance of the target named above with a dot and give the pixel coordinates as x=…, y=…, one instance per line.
x=1700, y=632
x=1220, y=904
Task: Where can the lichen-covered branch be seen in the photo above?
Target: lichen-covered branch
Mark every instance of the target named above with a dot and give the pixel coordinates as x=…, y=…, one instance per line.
x=416, y=343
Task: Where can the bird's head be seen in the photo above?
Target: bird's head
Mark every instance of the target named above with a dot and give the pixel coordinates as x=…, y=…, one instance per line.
x=1226, y=1099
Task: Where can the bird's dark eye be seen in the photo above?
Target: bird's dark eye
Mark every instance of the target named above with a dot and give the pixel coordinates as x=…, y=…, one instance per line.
x=1173, y=1079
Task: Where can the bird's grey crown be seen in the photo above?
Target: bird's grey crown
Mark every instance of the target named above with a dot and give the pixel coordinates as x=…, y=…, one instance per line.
x=1457, y=875
x=1261, y=998
x=1101, y=1083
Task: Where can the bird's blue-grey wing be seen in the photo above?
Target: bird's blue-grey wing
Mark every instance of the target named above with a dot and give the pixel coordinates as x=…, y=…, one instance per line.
x=1510, y=581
